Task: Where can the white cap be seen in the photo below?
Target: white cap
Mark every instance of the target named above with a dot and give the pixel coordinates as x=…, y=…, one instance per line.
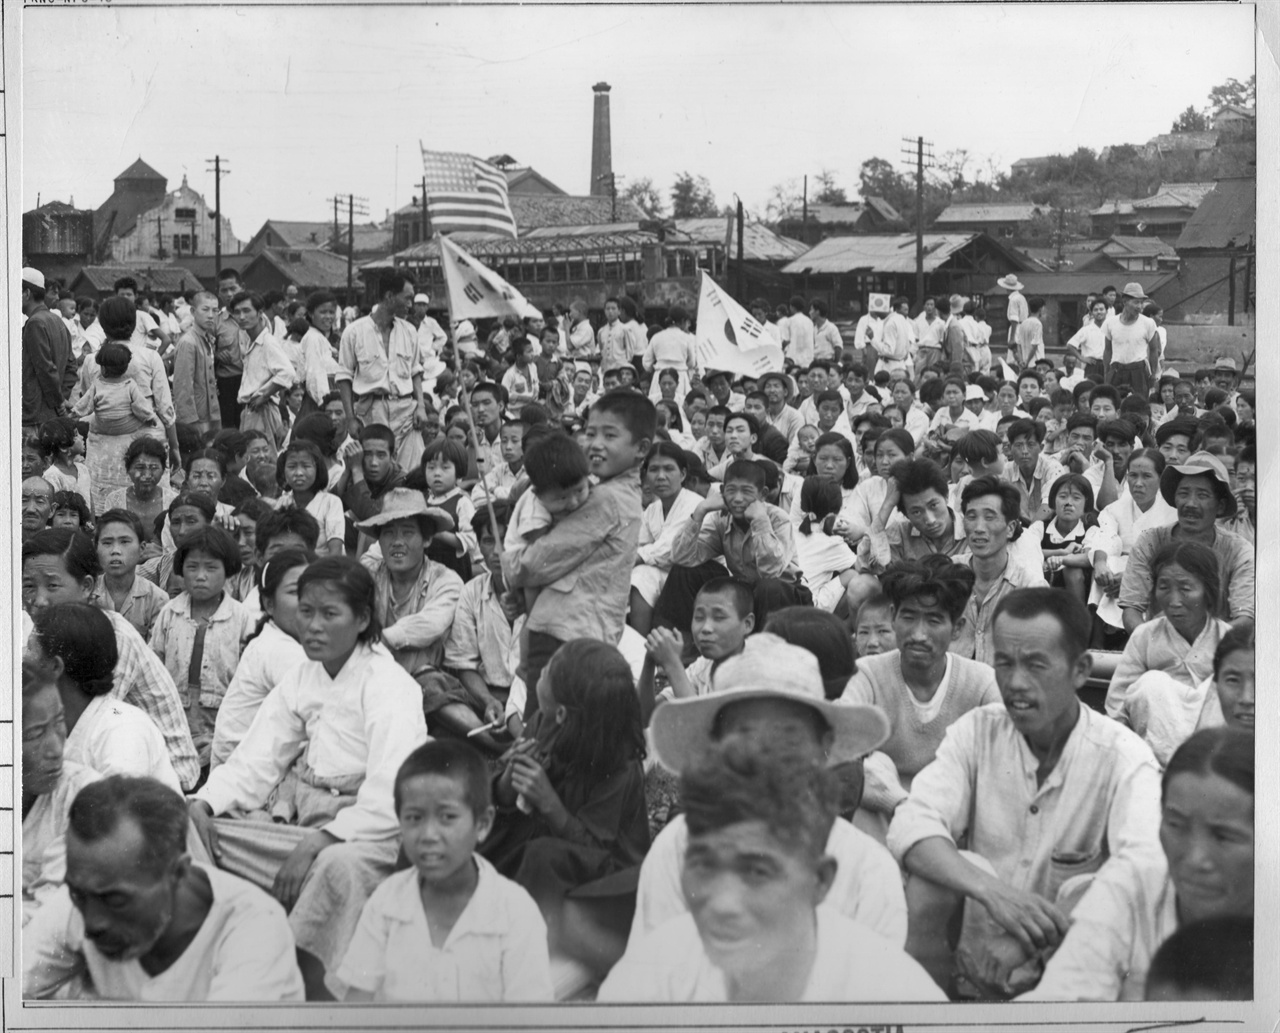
x=34, y=277
x=421, y=299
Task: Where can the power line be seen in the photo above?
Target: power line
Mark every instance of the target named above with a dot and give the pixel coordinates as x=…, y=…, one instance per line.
x=355, y=206
x=219, y=170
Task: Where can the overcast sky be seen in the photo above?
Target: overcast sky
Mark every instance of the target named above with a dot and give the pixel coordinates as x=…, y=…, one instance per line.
x=309, y=101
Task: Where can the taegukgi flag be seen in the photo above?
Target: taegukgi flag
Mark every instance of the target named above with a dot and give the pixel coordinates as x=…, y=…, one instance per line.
x=730, y=338
x=476, y=291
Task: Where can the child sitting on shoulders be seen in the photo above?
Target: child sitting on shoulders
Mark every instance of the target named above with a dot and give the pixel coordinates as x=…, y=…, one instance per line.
x=449, y=929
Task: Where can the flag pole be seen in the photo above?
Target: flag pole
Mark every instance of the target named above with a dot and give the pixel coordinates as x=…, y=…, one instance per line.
x=464, y=397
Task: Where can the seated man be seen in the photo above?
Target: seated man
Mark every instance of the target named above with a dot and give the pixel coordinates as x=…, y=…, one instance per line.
x=771, y=697
x=755, y=875
x=753, y=539
x=138, y=920
x=1200, y=490
x=921, y=686
x=1039, y=788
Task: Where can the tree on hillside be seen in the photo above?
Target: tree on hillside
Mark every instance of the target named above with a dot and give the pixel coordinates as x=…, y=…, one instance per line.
x=826, y=190
x=645, y=196
x=692, y=197
x=951, y=168
x=1233, y=91
x=785, y=201
x=878, y=178
x=1190, y=121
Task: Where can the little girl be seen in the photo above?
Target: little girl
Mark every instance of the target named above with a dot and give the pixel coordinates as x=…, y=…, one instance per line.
x=342, y=721
x=70, y=510
x=119, y=537
x=270, y=652
x=571, y=803
x=443, y=464
x=1071, y=537
x=826, y=561
x=113, y=402
x=1168, y=660
x=303, y=471
x=199, y=634
x=64, y=446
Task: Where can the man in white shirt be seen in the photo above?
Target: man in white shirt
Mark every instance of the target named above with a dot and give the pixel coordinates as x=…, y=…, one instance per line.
x=931, y=334
x=1088, y=344
x=827, y=342
x=1132, y=350
x=431, y=335
x=870, y=328
x=1029, y=338
x=770, y=698
x=138, y=920
x=800, y=345
x=896, y=340
x=1078, y=792
x=1016, y=312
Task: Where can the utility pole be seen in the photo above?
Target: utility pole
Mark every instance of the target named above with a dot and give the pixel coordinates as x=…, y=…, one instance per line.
x=159, y=236
x=741, y=269
x=219, y=170
x=355, y=205
x=425, y=236
x=919, y=151
x=804, y=212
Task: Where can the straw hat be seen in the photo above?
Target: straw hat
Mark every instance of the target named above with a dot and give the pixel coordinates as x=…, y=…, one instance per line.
x=1009, y=283
x=1226, y=362
x=1135, y=291
x=767, y=668
x=406, y=504
x=1199, y=463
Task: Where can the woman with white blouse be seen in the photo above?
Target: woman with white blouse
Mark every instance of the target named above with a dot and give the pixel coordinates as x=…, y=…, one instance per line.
x=664, y=472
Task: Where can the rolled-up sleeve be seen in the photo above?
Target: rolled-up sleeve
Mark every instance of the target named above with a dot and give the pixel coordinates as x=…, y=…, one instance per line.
x=431, y=623
x=941, y=797
x=693, y=544
x=1240, y=596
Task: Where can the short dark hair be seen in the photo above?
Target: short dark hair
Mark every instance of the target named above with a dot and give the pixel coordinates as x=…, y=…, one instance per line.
x=918, y=475
x=449, y=451
x=797, y=799
x=158, y=811
x=556, y=461
x=1105, y=391
x=937, y=577
x=633, y=409
x=978, y=446
x=289, y=520
x=1185, y=426
x=118, y=318
x=668, y=449
x=75, y=502
x=301, y=446
x=212, y=455
x=1031, y=374
x=825, y=636
x=391, y=282
x=752, y=423
x=114, y=358
x=1213, y=955
x=84, y=639
x=231, y=443
x=1024, y=428
x=125, y=283
x=449, y=758
x=214, y=541
x=1075, y=623
x=227, y=273
x=1034, y=305
x=819, y=306
x=497, y=391
x=120, y=516
x=1083, y=419
x=1073, y=480
x=747, y=470
x=317, y=298
x=378, y=432
x=740, y=592
x=74, y=547
x=252, y=297
x=979, y=487
x=501, y=516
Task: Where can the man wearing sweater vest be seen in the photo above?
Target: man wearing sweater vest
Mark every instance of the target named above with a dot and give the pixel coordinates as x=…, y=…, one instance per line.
x=921, y=686
x=1043, y=794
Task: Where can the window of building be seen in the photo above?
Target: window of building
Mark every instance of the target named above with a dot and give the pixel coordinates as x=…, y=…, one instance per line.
x=184, y=214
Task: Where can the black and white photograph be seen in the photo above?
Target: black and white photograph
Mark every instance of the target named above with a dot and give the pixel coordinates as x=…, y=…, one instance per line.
x=709, y=515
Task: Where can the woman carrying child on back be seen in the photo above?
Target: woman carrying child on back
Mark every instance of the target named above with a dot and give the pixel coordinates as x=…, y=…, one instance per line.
x=114, y=404
x=571, y=803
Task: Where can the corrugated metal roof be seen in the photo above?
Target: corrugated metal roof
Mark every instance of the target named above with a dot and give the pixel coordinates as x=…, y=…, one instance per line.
x=759, y=243
x=303, y=234
x=534, y=211
x=1066, y=284
x=1227, y=218
x=989, y=213
x=307, y=267
x=583, y=240
x=894, y=253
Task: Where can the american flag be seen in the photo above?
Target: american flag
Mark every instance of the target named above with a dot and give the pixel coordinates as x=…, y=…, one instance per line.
x=465, y=193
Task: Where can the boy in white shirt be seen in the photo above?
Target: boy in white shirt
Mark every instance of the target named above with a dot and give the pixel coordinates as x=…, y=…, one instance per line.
x=492, y=940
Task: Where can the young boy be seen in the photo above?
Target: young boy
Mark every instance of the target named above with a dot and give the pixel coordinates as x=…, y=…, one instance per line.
x=502, y=479
x=711, y=449
x=723, y=617
x=741, y=431
x=449, y=929
x=596, y=543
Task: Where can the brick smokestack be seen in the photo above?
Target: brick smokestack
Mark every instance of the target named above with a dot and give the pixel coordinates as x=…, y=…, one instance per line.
x=601, y=149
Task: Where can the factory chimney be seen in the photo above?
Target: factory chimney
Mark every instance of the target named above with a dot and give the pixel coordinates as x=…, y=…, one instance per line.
x=601, y=150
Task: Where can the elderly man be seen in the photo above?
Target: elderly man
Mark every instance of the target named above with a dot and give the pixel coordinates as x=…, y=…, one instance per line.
x=48, y=367
x=1200, y=490
x=1131, y=353
x=37, y=505
x=138, y=920
x=381, y=362
x=1077, y=792
x=770, y=697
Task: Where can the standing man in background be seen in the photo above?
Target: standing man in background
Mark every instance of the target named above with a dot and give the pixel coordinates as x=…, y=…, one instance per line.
x=230, y=344
x=1017, y=311
x=48, y=368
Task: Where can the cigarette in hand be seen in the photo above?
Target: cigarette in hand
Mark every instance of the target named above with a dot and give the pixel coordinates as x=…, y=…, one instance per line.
x=485, y=728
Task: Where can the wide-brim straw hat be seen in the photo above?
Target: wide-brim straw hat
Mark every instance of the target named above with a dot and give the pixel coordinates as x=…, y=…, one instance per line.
x=1197, y=464
x=1009, y=283
x=1135, y=291
x=406, y=504
x=767, y=668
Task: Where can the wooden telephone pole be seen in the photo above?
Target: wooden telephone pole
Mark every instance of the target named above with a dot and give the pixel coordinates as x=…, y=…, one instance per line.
x=920, y=153
x=219, y=170
x=355, y=206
